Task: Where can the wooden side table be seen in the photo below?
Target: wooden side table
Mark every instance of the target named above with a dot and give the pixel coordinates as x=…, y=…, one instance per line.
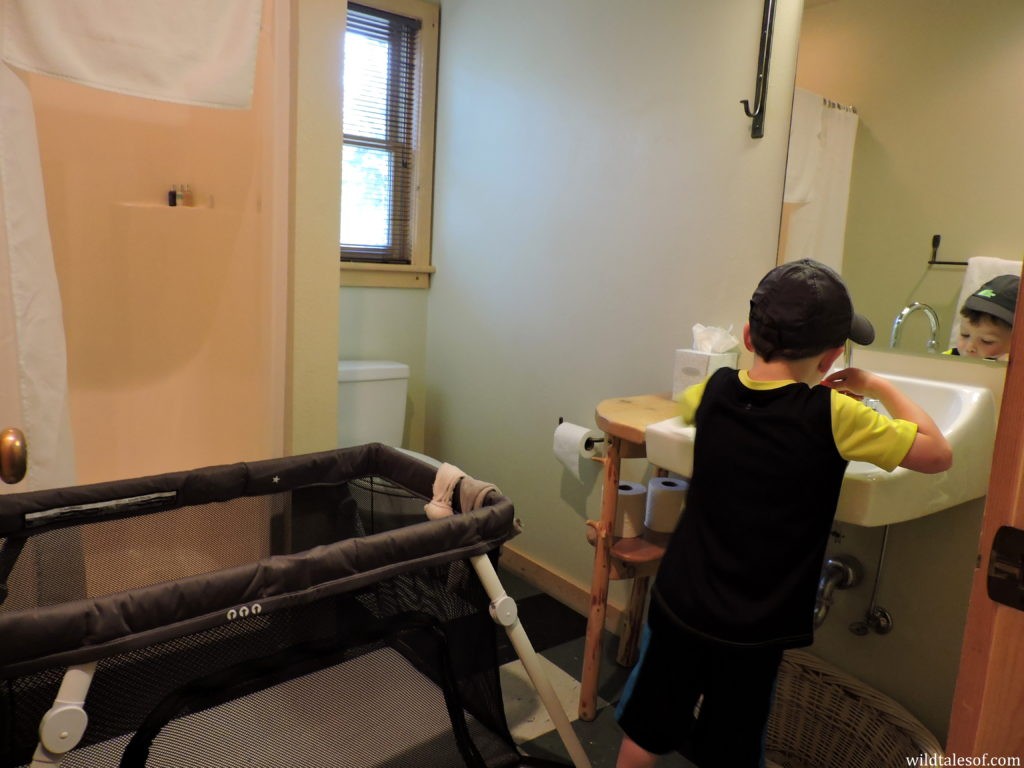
x=623, y=419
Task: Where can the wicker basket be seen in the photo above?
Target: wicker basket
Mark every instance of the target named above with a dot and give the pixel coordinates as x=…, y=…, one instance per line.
x=824, y=718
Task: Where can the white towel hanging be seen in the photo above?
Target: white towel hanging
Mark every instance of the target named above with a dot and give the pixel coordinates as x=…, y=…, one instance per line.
x=187, y=51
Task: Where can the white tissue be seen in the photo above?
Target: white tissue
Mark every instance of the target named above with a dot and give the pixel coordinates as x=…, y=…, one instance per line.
x=713, y=348
x=573, y=443
x=708, y=338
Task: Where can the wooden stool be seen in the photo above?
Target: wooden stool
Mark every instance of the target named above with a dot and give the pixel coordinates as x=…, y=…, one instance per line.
x=624, y=421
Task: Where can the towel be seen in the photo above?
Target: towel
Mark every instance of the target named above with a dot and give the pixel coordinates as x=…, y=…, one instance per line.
x=445, y=480
x=980, y=269
x=473, y=493
x=200, y=52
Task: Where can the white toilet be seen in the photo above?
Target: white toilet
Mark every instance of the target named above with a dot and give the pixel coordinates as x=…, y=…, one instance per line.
x=371, y=404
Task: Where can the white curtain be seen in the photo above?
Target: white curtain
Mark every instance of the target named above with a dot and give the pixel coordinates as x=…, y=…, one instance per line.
x=818, y=174
x=33, y=374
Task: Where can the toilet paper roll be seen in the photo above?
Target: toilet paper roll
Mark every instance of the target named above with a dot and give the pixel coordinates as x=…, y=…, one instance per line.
x=572, y=443
x=666, y=498
x=632, y=506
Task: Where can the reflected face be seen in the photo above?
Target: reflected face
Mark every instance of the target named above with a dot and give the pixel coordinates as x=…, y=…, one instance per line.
x=985, y=338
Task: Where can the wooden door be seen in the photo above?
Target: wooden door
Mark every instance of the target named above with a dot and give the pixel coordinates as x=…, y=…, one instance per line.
x=988, y=704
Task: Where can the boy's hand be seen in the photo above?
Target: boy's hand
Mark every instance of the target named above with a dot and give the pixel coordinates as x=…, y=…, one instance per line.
x=855, y=382
x=930, y=451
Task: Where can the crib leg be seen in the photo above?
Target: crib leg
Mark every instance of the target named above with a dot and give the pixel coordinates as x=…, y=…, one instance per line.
x=63, y=726
x=504, y=612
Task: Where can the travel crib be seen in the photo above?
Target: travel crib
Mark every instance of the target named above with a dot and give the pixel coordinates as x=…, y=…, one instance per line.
x=292, y=612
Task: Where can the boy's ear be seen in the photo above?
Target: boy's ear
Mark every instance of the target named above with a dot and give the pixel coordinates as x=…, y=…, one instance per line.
x=746, y=338
x=828, y=358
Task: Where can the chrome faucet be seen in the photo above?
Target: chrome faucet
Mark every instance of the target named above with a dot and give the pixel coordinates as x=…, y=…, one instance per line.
x=907, y=311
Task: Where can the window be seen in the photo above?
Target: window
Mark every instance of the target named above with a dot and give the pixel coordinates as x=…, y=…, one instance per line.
x=387, y=157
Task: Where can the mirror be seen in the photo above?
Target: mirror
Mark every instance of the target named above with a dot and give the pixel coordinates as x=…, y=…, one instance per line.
x=936, y=151
x=935, y=88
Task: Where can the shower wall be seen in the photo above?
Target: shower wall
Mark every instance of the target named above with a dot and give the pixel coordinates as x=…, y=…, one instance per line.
x=167, y=310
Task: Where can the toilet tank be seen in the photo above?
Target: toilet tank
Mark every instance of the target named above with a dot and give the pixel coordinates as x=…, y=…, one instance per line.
x=371, y=402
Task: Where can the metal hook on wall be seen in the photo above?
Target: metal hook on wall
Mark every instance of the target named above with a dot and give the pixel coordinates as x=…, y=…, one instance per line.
x=936, y=239
x=764, y=56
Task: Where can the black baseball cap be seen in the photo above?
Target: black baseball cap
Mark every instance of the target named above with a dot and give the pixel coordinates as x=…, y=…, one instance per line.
x=997, y=297
x=803, y=308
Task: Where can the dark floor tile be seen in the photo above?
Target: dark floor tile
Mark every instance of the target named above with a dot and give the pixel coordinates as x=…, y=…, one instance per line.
x=547, y=623
x=610, y=677
x=557, y=632
x=516, y=586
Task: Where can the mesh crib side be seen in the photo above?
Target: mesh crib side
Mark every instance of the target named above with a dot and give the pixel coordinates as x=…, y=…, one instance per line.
x=359, y=637
x=362, y=679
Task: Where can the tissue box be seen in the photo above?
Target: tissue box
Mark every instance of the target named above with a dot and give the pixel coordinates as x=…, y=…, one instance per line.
x=692, y=367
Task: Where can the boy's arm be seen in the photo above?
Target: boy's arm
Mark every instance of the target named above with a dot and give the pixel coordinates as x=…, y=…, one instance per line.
x=930, y=451
x=688, y=401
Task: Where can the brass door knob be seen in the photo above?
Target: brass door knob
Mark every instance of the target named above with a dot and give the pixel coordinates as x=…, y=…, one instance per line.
x=13, y=455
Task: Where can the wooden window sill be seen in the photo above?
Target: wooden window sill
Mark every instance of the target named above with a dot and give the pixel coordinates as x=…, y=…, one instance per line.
x=365, y=275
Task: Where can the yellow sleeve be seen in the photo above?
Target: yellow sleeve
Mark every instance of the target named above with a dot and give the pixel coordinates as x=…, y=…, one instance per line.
x=689, y=400
x=862, y=434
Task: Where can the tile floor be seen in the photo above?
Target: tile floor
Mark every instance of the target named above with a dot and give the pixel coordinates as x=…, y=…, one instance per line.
x=556, y=633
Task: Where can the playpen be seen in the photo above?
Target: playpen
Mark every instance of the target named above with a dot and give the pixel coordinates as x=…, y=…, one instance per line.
x=292, y=612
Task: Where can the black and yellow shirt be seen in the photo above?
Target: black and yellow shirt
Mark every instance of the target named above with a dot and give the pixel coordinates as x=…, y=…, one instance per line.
x=743, y=564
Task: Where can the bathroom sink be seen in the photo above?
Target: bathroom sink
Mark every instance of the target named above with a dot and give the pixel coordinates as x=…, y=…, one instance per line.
x=871, y=496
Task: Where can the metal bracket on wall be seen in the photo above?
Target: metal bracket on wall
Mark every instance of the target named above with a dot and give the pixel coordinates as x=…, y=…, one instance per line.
x=934, y=260
x=764, y=56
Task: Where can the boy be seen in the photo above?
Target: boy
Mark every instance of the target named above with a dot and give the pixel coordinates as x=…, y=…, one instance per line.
x=739, y=577
x=986, y=319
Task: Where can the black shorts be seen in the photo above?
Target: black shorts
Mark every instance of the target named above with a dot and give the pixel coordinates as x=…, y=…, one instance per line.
x=677, y=670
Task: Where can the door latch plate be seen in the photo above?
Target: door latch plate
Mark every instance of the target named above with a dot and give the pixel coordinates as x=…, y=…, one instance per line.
x=1006, y=568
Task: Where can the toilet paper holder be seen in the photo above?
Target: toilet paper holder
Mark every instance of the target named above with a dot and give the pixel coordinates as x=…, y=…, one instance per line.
x=590, y=442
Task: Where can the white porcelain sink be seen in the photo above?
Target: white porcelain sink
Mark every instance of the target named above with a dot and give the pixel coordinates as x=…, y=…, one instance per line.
x=871, y=496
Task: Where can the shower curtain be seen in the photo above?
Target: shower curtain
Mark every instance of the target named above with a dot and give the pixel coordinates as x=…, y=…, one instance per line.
x=189, y=51
x=818, y=171
x=33, y=376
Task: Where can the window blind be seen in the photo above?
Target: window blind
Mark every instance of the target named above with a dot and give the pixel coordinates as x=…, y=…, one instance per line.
x=378, y=115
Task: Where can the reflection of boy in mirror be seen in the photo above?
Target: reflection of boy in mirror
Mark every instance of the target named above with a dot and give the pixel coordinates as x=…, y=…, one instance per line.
x=986, y=320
